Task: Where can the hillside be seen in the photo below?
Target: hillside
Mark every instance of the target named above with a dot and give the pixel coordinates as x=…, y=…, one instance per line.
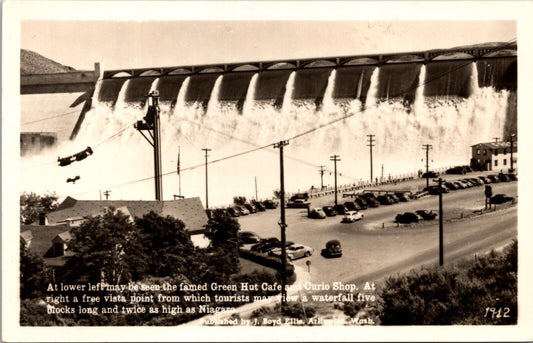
x=33, y=63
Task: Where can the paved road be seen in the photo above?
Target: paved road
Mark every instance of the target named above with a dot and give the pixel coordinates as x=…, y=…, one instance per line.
x=367, y=248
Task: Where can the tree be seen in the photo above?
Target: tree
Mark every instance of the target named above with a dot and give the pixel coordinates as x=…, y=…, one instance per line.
x=32, y=204
x=223, y=228
x=34, y=274
x=166, y=244
x=107, y=250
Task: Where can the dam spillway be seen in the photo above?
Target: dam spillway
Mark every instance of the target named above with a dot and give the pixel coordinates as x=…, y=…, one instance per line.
x=448, y=107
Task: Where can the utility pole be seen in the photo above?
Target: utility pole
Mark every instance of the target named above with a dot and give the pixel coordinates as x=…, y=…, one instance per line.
x=427, y=147
x=107, y=193
x=206, y=183
x=179, y=173
x=321, y=171
x=255, y=180
x=151, y=124
x=496, y=139
x=282, y=223
x=511, y=138
x=371, y=144
x=441, y=229
x=335, y=159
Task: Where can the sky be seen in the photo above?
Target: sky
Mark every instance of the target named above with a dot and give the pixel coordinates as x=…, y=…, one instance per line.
x=139, y=44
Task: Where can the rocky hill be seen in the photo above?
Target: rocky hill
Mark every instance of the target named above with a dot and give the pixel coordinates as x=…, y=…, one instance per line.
x=33, y=63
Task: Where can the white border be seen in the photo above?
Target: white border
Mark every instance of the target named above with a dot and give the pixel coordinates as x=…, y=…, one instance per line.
x=15, y=11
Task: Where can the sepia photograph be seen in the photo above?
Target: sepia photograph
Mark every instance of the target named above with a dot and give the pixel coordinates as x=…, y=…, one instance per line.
x=329, y=175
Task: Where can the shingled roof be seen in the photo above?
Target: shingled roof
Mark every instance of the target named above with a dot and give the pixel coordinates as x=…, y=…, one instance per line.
x=189, y=210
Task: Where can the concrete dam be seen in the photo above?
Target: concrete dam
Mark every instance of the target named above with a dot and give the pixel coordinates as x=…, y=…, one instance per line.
x=448, y=98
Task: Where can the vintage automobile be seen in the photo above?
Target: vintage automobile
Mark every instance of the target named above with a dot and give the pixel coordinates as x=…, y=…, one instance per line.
x=316, y=213
x=333, y=249
x=329, y=211
x=407, y=218
x=352, y=216
x=293, y=251
x=500, y=199
x=426, y=215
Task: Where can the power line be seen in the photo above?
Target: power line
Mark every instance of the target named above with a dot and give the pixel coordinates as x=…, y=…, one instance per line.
x=53, y=117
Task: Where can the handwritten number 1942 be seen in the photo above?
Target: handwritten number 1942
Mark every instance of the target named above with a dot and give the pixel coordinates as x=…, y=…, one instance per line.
x=493, y=312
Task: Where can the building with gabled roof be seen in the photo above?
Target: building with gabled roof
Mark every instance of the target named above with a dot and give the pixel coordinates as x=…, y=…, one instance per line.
x=189, y=210
x=494, y=156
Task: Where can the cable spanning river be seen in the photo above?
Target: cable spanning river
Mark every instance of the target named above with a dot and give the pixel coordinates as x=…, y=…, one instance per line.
x=317, y=127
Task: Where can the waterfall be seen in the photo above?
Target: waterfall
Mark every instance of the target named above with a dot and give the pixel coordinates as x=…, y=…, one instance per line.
x=474, y=82
x=418, y=105
x=360, y=85
x=180, y=101
x=96, y=94
x=328, y=105
x=250, y=95
x=287, y=98
x=372, y=95
x=213, y=106
x=121, y=103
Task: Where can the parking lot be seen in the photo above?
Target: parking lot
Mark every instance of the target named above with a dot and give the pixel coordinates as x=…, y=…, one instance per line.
x=376, y=246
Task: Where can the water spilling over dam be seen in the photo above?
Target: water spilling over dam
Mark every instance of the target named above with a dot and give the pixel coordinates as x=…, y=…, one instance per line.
x=449, y=104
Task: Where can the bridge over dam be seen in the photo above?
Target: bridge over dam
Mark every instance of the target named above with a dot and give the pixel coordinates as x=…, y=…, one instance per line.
x=66, y=98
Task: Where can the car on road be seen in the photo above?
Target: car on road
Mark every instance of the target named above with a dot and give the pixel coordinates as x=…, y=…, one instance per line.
x=269, y=204
x=316, y=213
x=503, y=177
x=456, y=170
x=406, y=218
x=500, y=199
x=371, y=201
x=249, y=237
x=485, y=180
x=333, y=249
x=393, y=197
x=298, y=203
x=267, y=244
x=512, y=177
x=494, y=178
x=293, y=251
x=243, y=210
x=451, y=186
x=340, y=209
x=426, y=215
x=258, y=205
x=352, y=216
x=329, y=211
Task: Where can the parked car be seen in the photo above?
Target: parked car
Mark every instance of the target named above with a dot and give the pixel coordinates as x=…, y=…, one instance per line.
x=393, y=197
x=512, y=177
x=435, y=189
x=259, y=205
x=243, y=210
x=251, y=208
x=298, y=203
x=401, y=196
x=352, y=206
x=361, y=202
x=333, y=249
x=352, y=216
x=503, y=177
x=426, y=215
x=340, y=209
x=406, y=218
x=494, y=178
x=299, y=196
x=249, y=237
x=269, y=204
x=329, y=211
x=293, y=251
x=456, y=170
x=372, y=202
x=316, y=213
x=429, y=174
x=451, y=186
x=267, y=244
x=385, y=200
x=500, y=199
x=485, y=180
x=234, y=212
